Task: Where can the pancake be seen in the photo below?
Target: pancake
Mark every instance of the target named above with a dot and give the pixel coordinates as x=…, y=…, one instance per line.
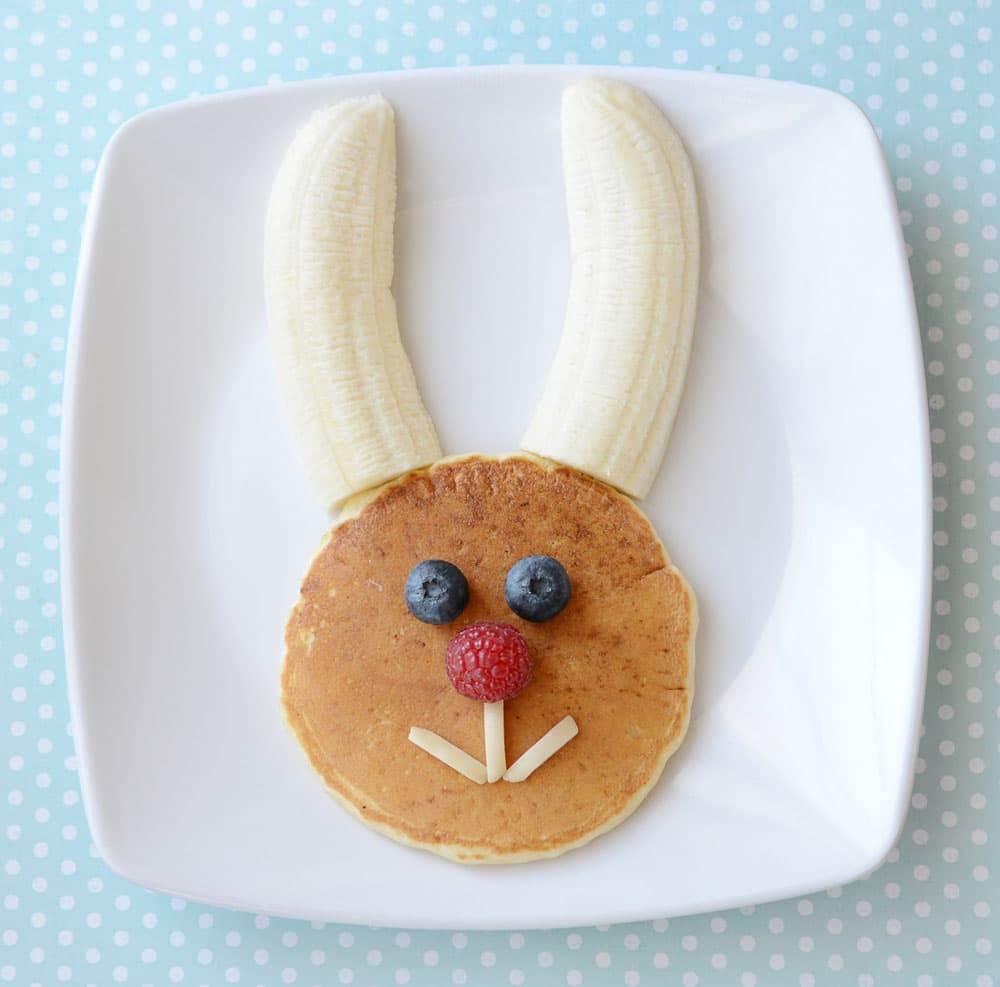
x=360, y=670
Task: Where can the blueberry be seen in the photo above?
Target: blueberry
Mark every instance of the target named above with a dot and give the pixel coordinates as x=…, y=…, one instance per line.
x=436, y=591
x=537, y=588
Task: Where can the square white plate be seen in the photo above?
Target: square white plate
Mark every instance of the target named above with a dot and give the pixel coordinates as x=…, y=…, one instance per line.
x=795, y=496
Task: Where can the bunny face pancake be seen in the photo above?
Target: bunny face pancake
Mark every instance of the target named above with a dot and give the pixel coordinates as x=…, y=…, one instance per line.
x=361, y=670
x=490, y=658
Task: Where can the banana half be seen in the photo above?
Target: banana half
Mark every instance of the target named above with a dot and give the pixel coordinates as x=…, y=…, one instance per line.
x=612, y=393
x=355, y=410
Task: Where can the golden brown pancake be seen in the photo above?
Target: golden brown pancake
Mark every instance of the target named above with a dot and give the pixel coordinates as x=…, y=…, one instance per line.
x=360, y=670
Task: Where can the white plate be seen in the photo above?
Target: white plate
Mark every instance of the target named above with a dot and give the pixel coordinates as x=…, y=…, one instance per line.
x=795, y=496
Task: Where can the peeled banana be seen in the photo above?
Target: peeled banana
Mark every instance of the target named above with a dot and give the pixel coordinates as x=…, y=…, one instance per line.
x=355, y=410
x=612, y=393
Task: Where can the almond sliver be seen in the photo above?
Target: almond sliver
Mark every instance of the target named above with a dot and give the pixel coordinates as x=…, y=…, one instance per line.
x=536, y=755
x=449, y=754
x=496, y=757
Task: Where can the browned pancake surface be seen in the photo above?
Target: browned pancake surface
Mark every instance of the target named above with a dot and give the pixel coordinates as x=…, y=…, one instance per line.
x=360, y=670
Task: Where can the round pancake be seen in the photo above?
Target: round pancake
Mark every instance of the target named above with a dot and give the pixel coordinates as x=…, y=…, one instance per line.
x=360, y=670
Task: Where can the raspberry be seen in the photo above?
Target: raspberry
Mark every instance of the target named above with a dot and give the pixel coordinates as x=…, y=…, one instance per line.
x=488, y=661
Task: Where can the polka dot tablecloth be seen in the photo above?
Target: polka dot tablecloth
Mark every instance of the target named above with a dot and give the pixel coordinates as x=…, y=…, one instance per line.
x=923, y=71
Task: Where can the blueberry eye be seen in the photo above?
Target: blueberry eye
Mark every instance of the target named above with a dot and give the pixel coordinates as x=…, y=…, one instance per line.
x=436, y=591
x=537, y=588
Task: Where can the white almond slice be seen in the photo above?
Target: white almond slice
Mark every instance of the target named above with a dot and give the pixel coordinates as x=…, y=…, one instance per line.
x=536, y=755
x=448, y=754
x=496, y=754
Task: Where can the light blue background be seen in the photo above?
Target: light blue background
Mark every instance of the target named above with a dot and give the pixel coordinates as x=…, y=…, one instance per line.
x=72, y=72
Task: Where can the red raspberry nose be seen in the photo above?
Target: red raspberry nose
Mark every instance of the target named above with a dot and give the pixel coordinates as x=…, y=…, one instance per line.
x=488, y=661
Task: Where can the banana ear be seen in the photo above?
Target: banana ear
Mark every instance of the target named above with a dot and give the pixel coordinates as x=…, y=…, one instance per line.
x=612, y=393
x=347, y=383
